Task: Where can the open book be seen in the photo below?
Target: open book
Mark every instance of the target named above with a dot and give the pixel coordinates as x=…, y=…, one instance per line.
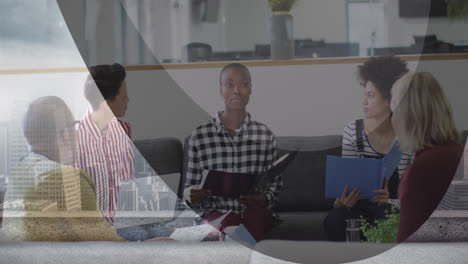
x=197, y=232
x=233, y=185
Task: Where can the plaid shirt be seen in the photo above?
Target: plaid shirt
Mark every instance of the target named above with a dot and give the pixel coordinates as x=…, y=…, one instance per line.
x=251, y=150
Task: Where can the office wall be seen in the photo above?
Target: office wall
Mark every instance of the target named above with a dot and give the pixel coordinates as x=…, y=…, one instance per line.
x=299, y=100
x=302, y=100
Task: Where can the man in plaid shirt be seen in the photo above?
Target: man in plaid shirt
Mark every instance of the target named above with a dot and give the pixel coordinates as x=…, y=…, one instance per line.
x=233, y=142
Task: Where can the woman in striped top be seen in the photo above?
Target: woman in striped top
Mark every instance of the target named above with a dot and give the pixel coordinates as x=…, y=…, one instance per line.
x=105, y=150
x=371, y=137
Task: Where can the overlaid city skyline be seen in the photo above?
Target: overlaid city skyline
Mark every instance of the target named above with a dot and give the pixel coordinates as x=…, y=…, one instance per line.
x=148, y=192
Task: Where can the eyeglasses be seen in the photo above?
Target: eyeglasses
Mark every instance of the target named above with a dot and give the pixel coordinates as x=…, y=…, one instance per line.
x=69, y=124
x=72, y=123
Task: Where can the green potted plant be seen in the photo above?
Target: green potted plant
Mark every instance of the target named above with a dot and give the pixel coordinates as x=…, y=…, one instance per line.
x=384, y=230
x=283, y=6
x=457, y=9
x=281, y=29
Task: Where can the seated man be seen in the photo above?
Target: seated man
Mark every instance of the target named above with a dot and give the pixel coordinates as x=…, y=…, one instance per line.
x=59, y=200
x=105, y=150
x=233, y=142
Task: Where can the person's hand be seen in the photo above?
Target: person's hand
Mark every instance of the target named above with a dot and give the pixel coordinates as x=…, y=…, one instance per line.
x=382, y=194
x=253, y=199
x=348, y=201
x=197, y=195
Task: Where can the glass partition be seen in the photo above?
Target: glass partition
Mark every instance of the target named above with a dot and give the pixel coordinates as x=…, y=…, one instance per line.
x=185, y=31
x=181, y=31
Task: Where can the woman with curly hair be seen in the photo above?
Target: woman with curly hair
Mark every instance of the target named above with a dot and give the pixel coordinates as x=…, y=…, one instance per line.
x=371, y=137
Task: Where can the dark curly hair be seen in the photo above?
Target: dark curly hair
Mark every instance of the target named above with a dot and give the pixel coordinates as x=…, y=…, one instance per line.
x=108, y=79
x=383, y=73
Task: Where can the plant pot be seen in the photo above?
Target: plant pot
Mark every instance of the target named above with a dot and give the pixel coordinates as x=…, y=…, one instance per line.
x=282, y=36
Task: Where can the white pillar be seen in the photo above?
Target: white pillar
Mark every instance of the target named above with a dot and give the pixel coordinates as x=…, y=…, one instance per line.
x=93, y=9
x=180, y=26
x=131, y=28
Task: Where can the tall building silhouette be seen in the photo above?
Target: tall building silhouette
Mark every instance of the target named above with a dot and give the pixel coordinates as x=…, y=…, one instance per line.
x=128, y=197
x=150, y=196
x=17, y=145
x=3, y=148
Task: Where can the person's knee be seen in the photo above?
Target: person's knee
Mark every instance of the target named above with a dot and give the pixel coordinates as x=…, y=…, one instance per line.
x=335, y=224
x=336, y=216
x=381, y=211
x=255, y=211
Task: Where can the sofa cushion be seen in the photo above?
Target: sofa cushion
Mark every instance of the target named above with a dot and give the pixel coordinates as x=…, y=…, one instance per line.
x=304, y=179
x=463, y=137
x=299, y=226
x=164, y=155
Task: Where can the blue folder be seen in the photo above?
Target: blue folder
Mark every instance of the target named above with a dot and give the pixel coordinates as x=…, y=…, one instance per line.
x=364, y=173
x=391, y=160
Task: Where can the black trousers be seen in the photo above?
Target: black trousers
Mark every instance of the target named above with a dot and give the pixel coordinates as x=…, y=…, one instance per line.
x=335, y=222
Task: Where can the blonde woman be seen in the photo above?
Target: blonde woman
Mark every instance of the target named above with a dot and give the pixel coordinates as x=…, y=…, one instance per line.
x=423, y=121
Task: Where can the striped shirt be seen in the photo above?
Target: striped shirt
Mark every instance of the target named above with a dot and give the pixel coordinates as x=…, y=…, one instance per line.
x=107, y=156
x=126, y=127
x=350, y=150
x=251, y=150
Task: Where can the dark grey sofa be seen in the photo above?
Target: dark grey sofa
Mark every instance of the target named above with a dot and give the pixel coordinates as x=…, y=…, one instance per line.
x=302, y=207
